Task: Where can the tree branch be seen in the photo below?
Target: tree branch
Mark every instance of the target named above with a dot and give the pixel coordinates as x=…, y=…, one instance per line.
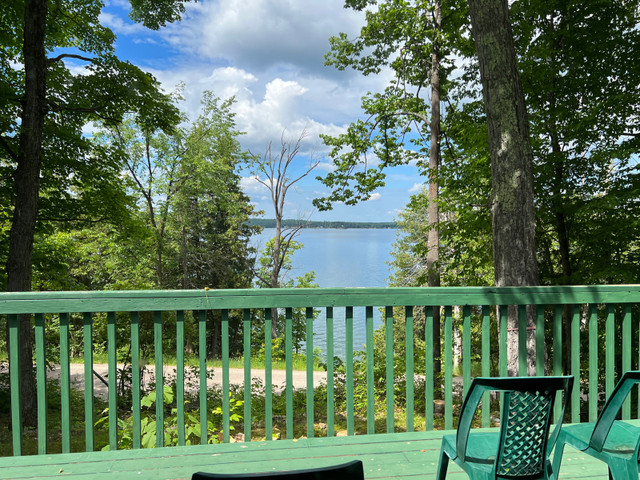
x=68, y=55
x=7, y=146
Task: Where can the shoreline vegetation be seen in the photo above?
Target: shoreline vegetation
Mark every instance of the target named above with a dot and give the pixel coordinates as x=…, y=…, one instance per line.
x=271, y=223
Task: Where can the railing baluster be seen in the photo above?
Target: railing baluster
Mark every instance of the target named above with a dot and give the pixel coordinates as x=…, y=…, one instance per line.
x=136, y=381
x=638, y=365
x=225, y=378
x=389, y=357
x=202, y=387
x=330, y=381
x=41, y=382
x=575, y=363
x=159, y=366
x=539, y=340
x=14, y=373
x=610, y=357
x=448, y=368
x=626, y=354
x=65, y=383
x=593, y=362
x=349, y=374
x=180, y=376
x=310, y=383
x=522, y=340
x=557, y=355
x=486, y=362
x=112, y=380
x=268, y=382
x=89, y=420
x=503, y=328
x=371, y=411
x=409, y=368
x=466, y=349
x=429, y=381
x=246, y=331
x=288, y=335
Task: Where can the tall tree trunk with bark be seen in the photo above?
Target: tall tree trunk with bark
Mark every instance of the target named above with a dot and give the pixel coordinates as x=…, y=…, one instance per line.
x=514, y=247
x=433, y=239
x=27, y=182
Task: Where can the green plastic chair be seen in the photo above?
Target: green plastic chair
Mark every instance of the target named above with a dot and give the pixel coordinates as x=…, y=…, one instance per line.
x=522, y=446
x=613, y=441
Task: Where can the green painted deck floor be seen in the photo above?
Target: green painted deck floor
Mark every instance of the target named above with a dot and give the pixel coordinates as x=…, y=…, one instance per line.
x=405, y=456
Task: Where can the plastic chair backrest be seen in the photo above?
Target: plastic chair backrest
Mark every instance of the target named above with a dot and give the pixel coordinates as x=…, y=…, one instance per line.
x=610, y=410
x=347, y=471
x=526, y=418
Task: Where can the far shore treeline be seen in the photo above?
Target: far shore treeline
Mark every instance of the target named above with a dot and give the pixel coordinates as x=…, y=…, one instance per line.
x=271, y=223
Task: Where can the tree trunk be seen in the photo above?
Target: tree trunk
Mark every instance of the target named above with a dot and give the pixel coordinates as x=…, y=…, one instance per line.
x=275, y=272
x=183, y=254
x=27, y=182
x=514, y=249
x=433, y=239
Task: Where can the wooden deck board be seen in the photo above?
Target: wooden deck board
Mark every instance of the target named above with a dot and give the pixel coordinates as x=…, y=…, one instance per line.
x=405, y=456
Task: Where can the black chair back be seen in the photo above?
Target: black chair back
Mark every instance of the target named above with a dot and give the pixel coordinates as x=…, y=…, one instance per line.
x=346, y=471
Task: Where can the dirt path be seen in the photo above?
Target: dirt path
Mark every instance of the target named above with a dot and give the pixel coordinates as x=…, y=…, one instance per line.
x=236, y=377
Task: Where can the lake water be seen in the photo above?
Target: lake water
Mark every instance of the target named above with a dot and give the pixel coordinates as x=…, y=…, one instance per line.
x=342, y=258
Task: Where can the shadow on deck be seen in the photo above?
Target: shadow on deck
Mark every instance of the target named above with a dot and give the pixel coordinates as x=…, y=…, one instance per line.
x=401, y=456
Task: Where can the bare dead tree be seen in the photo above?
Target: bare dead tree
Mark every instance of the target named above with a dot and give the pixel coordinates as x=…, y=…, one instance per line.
x=276, y=172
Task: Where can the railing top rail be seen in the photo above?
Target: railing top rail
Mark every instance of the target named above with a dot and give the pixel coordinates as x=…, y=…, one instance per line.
x=157, y=300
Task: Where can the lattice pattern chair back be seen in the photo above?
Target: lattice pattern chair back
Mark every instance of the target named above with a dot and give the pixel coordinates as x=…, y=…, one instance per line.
x=526, y=420
x=521, y=449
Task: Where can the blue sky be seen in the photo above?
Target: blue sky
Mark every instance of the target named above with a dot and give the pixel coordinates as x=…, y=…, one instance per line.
x=269, y=54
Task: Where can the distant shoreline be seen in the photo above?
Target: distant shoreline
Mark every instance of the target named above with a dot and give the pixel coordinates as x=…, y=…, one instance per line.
x=271, y=223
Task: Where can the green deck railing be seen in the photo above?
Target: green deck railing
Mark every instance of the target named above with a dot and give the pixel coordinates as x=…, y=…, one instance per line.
x=598, y=325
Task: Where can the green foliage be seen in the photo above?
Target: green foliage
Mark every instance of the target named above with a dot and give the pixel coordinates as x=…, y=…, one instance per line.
x=401, y=36
x=188, y=192
x=148, y=425
x=583, y=101
x=80, y=181
x=156, y=13
x=582, y=98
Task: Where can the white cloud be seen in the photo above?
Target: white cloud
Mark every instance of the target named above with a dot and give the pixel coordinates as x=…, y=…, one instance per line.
x=89, y=129
x=227, y=82
x=118, y=3
x=75, y=68
x=251, y=185
x=269, y=55
x=326, y=167
x=260, y=33
x=417, y=187
x=119, y=26
x=374, y=196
